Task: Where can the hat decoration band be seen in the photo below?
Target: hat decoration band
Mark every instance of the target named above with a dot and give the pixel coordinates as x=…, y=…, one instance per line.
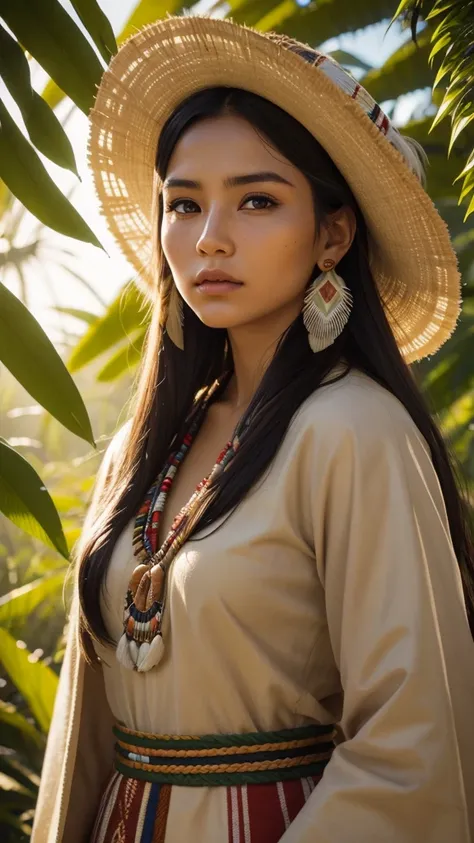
x=345, y=81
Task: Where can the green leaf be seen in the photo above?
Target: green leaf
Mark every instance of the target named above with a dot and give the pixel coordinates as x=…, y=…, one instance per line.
x=123, y=317
x=82, y=315
x=252, y=11
x=64, y=503
x=6, y=198
x=35, y=681
x=56, y=42
x=123, y=361
x=25, y=175
x=9, y=820
x=459, y=126
x=97, y=25
x=43, y=127
x=403, y=6
x=275, y=16
x=448, y=103
x=467, y=186
x=17, y=726
x=451, y=374
x=26, y=778
x=22, y=601
x=469, y=166
x=440, y=44
x=443, y=70
x=148, y=11
x=32, y=359
x=406, y=70
x=317, y=22
x=439, y=6
x=52, y=94
x=445, y=23
x=441, y=171
x=349, y=60
x=11, y=785
x=470, y=209
x=26, y=502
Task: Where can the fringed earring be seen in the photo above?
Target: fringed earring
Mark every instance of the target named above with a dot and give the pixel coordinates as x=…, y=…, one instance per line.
x=174, y=320
x=327, y=307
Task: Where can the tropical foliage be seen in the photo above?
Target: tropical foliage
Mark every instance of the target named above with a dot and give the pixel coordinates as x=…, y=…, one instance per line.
x=453, y=39
x=44, y=480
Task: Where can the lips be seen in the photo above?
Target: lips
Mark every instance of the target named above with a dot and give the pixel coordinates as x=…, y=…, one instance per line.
x=215, y=276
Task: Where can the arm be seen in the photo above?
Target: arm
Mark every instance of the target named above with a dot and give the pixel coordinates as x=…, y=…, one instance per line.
x=400, y=640
x=80, y=742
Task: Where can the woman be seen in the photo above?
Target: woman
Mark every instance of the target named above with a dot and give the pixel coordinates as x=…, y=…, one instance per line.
x=279, y=647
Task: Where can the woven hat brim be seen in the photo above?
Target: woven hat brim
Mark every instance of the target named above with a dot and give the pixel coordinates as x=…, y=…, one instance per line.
x=411, y=254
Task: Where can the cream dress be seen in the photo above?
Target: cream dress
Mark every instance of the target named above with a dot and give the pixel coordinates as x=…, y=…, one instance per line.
x=331, y=594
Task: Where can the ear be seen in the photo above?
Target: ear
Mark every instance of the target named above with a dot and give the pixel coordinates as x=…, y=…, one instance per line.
x=337, y=234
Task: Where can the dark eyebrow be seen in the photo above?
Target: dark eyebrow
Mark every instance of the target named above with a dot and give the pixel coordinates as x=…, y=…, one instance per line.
x=232, y=181
x=252, y=178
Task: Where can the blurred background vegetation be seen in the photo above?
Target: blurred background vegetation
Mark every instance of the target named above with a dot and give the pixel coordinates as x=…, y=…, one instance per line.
x=65, y=391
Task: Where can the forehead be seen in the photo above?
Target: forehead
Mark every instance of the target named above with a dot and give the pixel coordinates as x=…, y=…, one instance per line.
x=227, y=143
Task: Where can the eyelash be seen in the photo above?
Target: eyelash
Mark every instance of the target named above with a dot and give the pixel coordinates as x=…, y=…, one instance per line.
x=172, y=206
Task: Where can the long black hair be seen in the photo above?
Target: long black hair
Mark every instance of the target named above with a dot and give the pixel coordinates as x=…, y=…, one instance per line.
x=170, y=379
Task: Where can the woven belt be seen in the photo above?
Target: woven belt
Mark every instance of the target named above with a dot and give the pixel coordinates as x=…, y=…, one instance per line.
x=214, y=760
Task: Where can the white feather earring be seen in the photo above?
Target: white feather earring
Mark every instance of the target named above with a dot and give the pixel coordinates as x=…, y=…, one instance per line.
x=327, y=307
x=174, y=320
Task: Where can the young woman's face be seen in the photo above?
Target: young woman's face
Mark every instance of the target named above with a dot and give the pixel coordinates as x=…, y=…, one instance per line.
x=233, y=204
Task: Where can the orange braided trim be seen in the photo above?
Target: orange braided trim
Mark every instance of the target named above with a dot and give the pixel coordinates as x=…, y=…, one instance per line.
x=148, y=735
x=159, y=831
x=225, y=750
x=255, y=766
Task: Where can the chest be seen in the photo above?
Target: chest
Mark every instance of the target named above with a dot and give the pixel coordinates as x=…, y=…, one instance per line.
x=212, y=437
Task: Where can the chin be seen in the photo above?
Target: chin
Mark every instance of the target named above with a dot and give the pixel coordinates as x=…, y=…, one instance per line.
x=219, y=320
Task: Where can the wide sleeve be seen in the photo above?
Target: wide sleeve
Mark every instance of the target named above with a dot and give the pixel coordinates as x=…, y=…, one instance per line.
x=404, y=772
x=79, y=748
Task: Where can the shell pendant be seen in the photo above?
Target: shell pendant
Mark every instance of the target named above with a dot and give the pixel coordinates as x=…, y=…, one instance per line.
x=141, y=645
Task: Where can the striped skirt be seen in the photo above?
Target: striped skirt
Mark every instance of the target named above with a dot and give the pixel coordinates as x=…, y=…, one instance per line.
x=240, y=788
x=135, y=811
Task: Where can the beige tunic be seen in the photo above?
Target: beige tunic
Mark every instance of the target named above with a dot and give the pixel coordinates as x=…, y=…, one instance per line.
x=331, y=594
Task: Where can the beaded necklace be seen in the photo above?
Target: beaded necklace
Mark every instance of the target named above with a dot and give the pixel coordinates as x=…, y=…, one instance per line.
x=141, y=645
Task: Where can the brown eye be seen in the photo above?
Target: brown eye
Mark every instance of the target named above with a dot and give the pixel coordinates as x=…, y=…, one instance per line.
x=183, y=206
x=259, y=202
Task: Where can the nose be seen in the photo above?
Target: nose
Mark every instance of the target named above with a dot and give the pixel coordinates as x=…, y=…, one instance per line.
x=215, y=237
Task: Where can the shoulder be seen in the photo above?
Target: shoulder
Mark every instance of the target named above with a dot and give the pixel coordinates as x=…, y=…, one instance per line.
x=356, y=408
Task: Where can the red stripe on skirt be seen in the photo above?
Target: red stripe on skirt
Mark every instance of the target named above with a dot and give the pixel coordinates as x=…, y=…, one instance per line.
x=131, y=799
x=267, y=816
x=125, y=812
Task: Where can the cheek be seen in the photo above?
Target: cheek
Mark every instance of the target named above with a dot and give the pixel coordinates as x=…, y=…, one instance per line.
x=288, y=246
x=174, y=245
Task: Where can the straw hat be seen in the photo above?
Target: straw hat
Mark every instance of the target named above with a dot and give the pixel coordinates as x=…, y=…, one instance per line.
x=411, y=255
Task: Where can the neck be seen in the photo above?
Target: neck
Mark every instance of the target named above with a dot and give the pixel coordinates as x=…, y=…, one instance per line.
x=253, y=347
